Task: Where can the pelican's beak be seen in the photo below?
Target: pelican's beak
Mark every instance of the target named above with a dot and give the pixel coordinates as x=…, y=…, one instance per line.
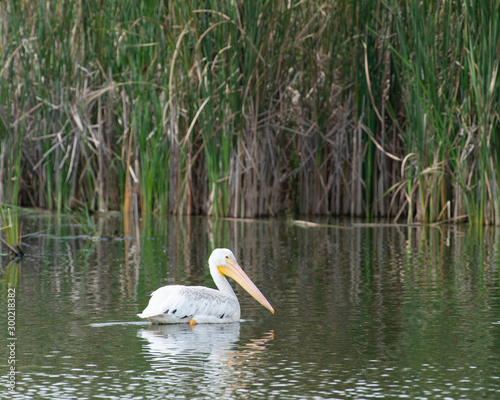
x=233, y=270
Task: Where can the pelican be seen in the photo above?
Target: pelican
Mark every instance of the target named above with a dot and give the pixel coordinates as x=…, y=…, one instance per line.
x=176, y=304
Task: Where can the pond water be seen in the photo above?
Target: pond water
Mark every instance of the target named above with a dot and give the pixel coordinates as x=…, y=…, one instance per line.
x=362, y=312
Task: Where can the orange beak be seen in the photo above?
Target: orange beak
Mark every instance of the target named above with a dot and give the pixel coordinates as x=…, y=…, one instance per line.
x=233, y=270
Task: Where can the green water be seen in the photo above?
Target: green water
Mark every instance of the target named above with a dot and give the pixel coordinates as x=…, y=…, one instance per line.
x=362, y=312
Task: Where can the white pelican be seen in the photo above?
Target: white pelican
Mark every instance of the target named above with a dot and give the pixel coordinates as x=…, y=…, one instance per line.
x=176, y=304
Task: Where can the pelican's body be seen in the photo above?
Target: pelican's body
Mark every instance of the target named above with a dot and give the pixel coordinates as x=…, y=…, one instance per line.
x=177, y=304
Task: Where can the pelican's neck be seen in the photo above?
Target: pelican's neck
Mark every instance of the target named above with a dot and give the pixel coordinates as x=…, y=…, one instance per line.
x=220, y=281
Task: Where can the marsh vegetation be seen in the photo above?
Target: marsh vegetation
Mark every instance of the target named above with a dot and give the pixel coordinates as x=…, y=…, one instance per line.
x=361, y=108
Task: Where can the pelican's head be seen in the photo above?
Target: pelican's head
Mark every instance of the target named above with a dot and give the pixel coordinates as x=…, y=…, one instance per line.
x=226, y=264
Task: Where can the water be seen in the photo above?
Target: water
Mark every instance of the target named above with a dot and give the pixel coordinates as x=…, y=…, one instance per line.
x=362, y=312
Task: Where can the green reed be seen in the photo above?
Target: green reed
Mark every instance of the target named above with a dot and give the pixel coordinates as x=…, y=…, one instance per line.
x=481, y=39
x=10, y=231
x=448, y=56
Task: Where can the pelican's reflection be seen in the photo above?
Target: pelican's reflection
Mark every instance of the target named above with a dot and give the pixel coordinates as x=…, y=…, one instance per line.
x=169, y=341
x=207, y=354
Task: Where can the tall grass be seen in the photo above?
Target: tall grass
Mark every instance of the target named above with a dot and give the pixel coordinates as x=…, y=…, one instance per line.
x=448, y=54
x=360, y=108
x=10, y=231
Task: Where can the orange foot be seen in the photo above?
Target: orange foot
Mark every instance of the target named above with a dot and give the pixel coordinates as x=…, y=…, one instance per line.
x=192, y=322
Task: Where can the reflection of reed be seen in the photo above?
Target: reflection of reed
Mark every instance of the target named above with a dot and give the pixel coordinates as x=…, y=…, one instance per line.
x=11, y=273
x=129, y=278
x=63, y=262
x=382, y=280
x=244, y=362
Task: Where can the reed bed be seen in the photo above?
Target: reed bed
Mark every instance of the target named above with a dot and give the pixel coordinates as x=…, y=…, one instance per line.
x=250, y=108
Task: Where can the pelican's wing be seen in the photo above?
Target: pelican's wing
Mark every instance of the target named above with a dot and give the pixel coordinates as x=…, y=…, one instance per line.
x=178, y=304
